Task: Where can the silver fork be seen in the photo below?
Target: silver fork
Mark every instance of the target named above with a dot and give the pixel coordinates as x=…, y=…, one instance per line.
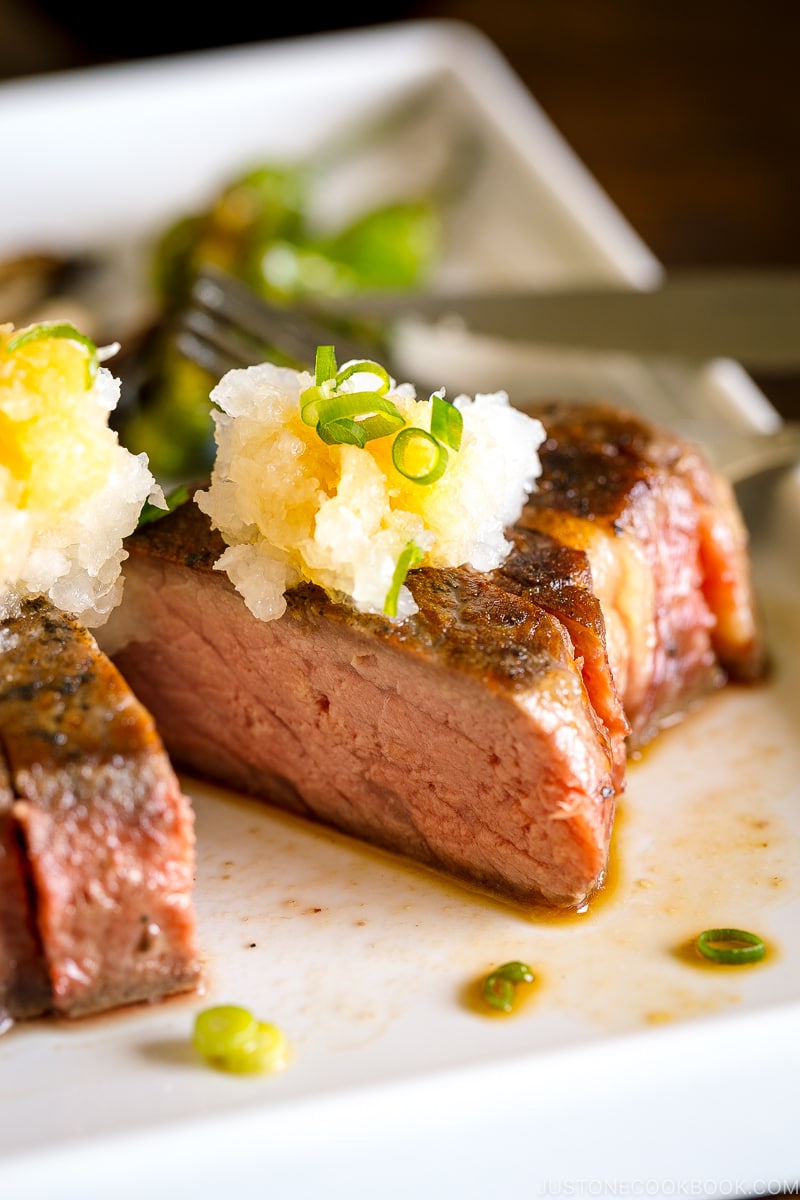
x=227, y=325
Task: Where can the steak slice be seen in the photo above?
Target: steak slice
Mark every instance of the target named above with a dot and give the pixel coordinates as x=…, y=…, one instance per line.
x=558, y=578
x=98, y=839
x=486, y=735
x=667, y=552
x=464, y=738
x=24, y=986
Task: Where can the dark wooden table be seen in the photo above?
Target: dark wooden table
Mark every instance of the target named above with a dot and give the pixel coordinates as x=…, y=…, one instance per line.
x=686, y=113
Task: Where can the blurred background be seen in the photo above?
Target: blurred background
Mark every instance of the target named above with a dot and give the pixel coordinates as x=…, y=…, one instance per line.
x=686, y=113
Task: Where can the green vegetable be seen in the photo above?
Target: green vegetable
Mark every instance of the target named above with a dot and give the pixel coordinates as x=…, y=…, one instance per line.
x=334, y=413
x=324, y=364
x=261, y=226
x=151, y=512
x=253, y=211
x=232, y=1039
x=731, y=946
x=410, y=557
x=337, y=423
x=354, y=418
x=498, y=987
x=446, y=422
x=366, y=368
x=58, y=329
x=418, y=456
x=390, y=247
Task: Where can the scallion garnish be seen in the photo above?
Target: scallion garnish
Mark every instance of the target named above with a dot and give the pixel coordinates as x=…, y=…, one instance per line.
x=446, y=422
x=58, y=329
x=152, y=512
x=418, y=456
x=324, y=364
x=411, y=556
x=366, y=368
x=498, y=987
x=311, y=399
x=353, y=404
x=343, y=432
x=232, y=1039
x=353, y=418
x=734, y=947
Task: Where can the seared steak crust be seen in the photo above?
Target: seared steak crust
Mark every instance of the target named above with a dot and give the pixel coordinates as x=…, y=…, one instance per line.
x=667, y=550
x=558, y=579
x=94, y=809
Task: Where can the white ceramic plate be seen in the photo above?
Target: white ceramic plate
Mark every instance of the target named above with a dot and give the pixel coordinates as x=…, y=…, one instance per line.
x=631, y=1070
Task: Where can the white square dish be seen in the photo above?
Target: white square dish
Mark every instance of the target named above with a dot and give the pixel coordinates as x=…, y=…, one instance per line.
x=632, y=1070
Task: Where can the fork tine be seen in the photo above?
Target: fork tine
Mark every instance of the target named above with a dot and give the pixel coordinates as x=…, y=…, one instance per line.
x=229, y=325
x=214, y=346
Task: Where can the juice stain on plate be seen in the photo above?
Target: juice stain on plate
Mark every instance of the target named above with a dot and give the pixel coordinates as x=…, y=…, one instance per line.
x=702, y=844
x=701, y=840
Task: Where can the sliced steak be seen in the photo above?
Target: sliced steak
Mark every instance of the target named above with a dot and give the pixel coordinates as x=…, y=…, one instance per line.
x=558, y=578
x=24, y=986
x=463, y=738
x=101, y=839
x=667, y=552
x=486, y=735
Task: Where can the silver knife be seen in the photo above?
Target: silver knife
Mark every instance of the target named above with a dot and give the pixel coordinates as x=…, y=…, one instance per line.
x=751, y=316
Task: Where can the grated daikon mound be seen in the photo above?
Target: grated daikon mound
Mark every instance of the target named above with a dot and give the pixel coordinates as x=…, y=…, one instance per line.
x=292, y=508
x=69, y=493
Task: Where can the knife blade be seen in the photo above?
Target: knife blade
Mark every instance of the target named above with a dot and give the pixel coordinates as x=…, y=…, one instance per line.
x=751, y=316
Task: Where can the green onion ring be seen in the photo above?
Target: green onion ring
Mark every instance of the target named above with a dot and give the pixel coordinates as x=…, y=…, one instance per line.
x=447, y=422
x=752, y=951
x=357, y=404
x=221, y=1029
x=266, y=1050
x=379, y=426
x=337, y=418
x=311, y=399
x=411, y=556
x=366, y=368
x=232, y=1039
x=344, y=432
x=324, y=364
x=498, y=987
x=402, y=449
x=57, y=329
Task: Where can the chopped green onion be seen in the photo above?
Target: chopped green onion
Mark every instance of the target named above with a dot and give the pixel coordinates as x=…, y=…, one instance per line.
x=324, y=364
x=366, y=368
x=337, y=418
x=56, y=329
x=232, y=1039
x=218, y=1030
x=344, y=432
x=418, y=456
x=410, y=557
x=356, y=404
x=151, y=512
x=498, y=988
x=265, y=1051
x=446, y=422
x=311, y=399
x=354, y=418
x=333, y=412
x=731, y=946
x=334, y=415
